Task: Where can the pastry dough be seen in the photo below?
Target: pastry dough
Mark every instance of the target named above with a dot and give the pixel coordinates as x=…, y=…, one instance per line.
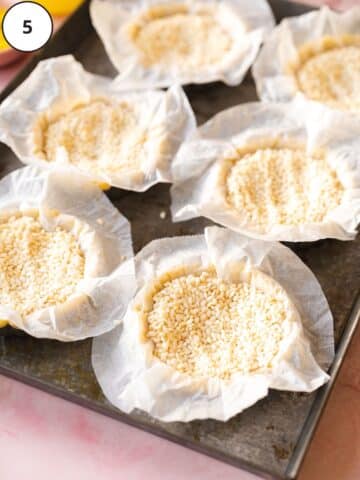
x=65, y=256
x=215, y=322
x=159, y=43
x=315, y=56
x=285, y=172
x=88, y=125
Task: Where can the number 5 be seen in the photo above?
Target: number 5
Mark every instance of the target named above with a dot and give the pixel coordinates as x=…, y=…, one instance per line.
x=27, y=28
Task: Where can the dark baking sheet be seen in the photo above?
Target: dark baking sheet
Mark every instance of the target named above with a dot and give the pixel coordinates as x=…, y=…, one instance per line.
x=269, y=438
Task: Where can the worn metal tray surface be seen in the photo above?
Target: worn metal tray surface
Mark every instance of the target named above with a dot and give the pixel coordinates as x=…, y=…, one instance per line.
x=269, y=438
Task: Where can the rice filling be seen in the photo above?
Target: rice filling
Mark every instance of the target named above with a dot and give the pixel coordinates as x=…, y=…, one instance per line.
x=282, y=186
x=202, y=326
x=38, y=268
x=329, y=72
x=98, y=136
x=173, y=36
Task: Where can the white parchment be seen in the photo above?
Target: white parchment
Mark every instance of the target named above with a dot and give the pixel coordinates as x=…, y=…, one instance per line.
x=270, y=70
x=60, y=83
x=131, y=377
x=247, y=23
x=101, y=297
x=196, y=192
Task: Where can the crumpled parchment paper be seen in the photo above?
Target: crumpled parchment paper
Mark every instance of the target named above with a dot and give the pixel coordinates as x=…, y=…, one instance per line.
x=196, y=168
x=58, y=84
x=273, y=80
x=132, y=378
x=80, y=207
x=247, y=23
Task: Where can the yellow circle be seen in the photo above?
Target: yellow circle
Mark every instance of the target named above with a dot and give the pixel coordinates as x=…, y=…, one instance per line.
x=55, y=7
x=3, y=43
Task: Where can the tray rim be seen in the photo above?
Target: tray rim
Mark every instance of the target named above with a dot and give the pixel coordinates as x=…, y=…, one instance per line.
x=53, y=48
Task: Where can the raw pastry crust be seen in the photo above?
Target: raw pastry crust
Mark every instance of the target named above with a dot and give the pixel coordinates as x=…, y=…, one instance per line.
x=174, y=36
x=328, y=71
x=204, y=326
x=268, y=187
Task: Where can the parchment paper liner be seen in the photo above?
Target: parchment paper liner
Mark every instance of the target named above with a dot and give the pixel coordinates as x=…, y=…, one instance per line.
x=272, y=68
x=197, y=167
x=111, y=17
x=104, y=236
x=131, y=377
x=61, y=83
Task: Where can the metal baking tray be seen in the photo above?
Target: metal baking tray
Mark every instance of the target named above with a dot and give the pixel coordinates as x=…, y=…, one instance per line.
x=270, y=438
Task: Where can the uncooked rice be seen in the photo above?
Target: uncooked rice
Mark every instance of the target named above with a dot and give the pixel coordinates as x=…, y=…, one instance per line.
x=171, y=35
x=38, y=268
x=205, y=327
x=284, y=186
x=328, y=71
x=98, y=136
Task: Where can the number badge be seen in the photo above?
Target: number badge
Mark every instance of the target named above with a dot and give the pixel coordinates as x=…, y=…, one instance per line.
x=27, y=26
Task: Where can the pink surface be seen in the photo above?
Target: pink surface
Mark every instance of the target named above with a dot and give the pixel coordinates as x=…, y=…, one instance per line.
x=42, y=434
x=43, y=437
